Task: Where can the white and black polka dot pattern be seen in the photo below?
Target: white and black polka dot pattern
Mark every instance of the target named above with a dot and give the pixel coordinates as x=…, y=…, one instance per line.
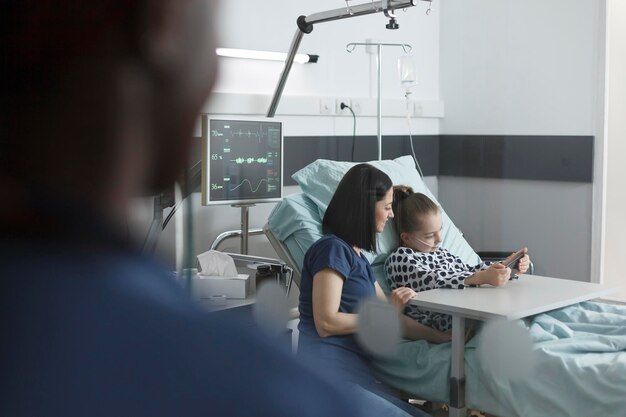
x=424, y=271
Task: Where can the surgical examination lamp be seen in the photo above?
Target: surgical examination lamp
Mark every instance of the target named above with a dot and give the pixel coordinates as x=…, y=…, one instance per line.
x=305, y=25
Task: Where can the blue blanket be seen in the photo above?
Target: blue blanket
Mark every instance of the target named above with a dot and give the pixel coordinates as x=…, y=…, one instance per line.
x=578, y=367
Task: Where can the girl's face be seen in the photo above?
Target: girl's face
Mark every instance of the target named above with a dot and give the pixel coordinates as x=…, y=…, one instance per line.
x=384, y=211
x=428, y=238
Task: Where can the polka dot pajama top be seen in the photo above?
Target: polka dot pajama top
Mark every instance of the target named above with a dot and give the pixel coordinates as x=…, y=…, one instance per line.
x=423, y=271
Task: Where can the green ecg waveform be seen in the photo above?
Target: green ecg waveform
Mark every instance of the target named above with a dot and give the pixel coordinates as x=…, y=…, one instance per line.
x=250, y=160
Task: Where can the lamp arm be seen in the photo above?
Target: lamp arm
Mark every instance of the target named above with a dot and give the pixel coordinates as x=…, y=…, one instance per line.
x=305, y=25
x=360, y=10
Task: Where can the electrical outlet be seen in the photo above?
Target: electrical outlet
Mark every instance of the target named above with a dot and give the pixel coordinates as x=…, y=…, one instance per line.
x=327, y=105
x=357, y=107
x=418, y=110
x=339, y=110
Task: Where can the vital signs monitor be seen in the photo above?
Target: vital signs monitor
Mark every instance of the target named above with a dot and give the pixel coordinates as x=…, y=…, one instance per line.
x=242, y=161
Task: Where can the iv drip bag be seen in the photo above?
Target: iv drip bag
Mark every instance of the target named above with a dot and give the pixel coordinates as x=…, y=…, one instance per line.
x=407, y=72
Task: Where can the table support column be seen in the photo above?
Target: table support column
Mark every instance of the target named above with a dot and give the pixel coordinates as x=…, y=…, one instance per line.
x=457, y=371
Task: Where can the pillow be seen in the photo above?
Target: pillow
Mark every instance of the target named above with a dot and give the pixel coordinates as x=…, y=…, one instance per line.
x=320, y=179
x=296, y=222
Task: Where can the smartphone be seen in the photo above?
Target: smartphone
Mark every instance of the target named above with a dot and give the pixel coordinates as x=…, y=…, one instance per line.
x=513, y=261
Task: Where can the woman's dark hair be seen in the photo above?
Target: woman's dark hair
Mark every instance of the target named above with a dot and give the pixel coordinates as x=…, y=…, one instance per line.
x=351, y=213
x=409, y=207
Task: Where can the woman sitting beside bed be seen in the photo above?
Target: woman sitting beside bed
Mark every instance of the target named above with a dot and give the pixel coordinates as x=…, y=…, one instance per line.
x=420, y=264
x=336, y=277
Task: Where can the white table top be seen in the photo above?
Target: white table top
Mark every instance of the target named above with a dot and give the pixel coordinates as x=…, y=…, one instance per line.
x=527, y=296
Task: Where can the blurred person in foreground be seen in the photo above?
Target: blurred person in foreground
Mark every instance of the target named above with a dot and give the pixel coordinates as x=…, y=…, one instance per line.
x=98, y=103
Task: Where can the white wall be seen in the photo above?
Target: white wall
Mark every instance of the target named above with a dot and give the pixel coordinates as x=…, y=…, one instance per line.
x=271, y=24
x=503, y=67
x=521, y=68
x=508, y=215
x=615, y=230
x=245, y=87
x=518, y=67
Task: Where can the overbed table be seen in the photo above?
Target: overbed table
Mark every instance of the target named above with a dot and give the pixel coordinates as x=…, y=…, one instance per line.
x=527, y=296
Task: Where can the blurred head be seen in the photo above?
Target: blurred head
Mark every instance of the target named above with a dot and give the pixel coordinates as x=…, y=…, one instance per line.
x=99, y=98
x=360, y=206
x=418, y=220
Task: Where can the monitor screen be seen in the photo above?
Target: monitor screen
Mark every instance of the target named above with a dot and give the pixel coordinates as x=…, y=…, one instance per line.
x=242, y=161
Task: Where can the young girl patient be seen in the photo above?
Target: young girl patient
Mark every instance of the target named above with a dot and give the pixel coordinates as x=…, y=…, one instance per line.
x=419, y=263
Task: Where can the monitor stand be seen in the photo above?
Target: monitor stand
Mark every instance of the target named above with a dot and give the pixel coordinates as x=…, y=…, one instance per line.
x=244, y=226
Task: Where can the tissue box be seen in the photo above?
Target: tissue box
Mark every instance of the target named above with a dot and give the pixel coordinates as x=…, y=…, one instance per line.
x=206, y=286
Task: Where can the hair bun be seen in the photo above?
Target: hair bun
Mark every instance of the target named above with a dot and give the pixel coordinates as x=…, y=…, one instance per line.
x=403, y=191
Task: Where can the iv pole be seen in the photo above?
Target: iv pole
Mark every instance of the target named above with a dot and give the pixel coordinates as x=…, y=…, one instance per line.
x=407, y=48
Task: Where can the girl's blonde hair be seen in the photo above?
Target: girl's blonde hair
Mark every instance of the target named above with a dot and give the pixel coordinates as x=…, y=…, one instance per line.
x=409, y=207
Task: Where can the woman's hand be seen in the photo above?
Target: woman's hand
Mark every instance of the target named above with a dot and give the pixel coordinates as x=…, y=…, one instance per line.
x=400, y=296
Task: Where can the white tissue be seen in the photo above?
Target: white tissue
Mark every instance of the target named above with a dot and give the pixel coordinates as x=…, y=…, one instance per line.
x=215, y=263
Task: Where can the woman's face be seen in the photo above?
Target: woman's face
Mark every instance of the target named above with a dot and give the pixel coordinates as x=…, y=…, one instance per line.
x=428, y=238
x=384, y=211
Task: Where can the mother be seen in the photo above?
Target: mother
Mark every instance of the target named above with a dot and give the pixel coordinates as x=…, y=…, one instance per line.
x=336, y=277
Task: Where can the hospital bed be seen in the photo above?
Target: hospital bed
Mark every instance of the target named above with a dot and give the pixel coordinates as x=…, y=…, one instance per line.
x=580, y=350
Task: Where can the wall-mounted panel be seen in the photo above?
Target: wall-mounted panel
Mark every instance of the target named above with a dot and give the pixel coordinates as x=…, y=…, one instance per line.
x=302, y=150
x=548, y=158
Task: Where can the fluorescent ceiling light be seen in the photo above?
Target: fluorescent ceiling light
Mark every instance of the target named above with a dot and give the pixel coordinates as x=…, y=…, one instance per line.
x=264, y=55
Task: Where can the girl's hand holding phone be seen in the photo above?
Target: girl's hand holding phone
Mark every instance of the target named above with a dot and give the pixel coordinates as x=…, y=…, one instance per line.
x=520, y=261
x=497, y=274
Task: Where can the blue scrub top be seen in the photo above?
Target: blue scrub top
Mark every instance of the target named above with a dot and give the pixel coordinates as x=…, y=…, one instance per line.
x=341, y=353
x=94, y=328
